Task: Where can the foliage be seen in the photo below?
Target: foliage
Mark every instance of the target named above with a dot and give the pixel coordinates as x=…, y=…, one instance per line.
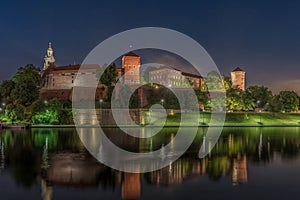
x=51, y=112
x=46, y=117
x=259, y=94
x=274, y=105
x=214, y=82
x=26, y=85
x=290, y=100
x=19, y=92
x=226, y=82
x=15, y=112
x=202, y=97
x=5, y=90
x=107, y=75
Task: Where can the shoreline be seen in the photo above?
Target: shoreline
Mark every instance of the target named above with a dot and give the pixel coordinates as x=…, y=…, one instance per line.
x=167, y=126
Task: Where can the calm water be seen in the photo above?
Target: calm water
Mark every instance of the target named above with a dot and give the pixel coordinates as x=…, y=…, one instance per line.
x=247, y=163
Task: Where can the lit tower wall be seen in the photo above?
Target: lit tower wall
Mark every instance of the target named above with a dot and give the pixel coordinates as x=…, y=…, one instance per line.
x=238, y=78
x=131, y=65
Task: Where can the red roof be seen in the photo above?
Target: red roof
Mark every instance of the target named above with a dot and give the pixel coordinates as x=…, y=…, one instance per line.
x=131, y=54
x=238, y=70
x=76, y=67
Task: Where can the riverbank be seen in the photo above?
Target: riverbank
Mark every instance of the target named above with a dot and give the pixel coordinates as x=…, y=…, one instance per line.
x=232, y=120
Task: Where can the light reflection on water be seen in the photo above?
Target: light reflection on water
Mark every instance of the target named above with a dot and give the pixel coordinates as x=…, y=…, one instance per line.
x=245, y=163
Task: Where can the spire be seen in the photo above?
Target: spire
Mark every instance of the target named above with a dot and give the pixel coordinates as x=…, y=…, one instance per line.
x=49, y=58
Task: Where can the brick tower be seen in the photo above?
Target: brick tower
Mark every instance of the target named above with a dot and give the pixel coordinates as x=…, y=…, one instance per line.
x=131, y=65
x=238, y=78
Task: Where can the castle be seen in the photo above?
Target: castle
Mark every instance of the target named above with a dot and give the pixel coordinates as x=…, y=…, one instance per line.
x=58, y=81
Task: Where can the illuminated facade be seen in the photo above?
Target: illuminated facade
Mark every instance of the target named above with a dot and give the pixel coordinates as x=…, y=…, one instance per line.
x=238, y=78
x=131, y=64
x=58, y=82
x=173, y=78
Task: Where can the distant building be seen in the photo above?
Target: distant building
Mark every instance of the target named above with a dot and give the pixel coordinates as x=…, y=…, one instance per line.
x=58, y=81
x=238, y=78
x=174, y=78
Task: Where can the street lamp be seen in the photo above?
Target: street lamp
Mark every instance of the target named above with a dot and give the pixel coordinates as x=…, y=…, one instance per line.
x=101, y=101
x=203, y=116
x=260, y=116
x=162, y=102
x=258, y=103
x=3, y=107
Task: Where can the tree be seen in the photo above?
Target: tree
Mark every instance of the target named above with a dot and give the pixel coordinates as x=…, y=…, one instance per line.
x=274, y=105
x=5, y=90
x=19, y=92
x=226, y=82
x=238, y=100
x=289, y=100
x=27, y=82
x=15, y=112
x=202, y=99
x=107, y=76
x=52, y=112
x=234, y=99
x=259, y=94
x=214, y=82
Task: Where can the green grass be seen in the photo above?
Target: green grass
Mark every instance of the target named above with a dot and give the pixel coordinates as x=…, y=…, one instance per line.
x=240, y=119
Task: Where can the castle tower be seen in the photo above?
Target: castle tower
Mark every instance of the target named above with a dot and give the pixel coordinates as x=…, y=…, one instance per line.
x=49, y=58
x=131, y=65
x=238, y=78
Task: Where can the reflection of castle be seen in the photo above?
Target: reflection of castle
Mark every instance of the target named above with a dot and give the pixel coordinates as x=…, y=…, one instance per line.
x=239, y=172
x=176, y=172
x=131, y=186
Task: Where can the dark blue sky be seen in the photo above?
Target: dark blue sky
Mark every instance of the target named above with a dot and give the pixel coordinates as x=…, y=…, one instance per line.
x=263, y=37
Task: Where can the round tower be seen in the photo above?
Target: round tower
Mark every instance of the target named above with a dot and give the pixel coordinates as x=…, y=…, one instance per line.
x=238, y=78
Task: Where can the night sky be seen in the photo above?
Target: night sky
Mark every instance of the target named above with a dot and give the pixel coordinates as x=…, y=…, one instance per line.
x=262, y=37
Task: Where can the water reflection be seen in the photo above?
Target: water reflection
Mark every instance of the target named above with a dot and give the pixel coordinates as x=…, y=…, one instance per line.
x=51, y=160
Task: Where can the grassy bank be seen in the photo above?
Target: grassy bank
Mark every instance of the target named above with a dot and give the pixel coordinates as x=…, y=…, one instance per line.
x=232, y=119
x=242, y=119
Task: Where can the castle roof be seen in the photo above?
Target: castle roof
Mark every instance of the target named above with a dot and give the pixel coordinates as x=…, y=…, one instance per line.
x=70, y=68
x=76, y=67
x=131, y=54
x=238, y=70
x=191, y=75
